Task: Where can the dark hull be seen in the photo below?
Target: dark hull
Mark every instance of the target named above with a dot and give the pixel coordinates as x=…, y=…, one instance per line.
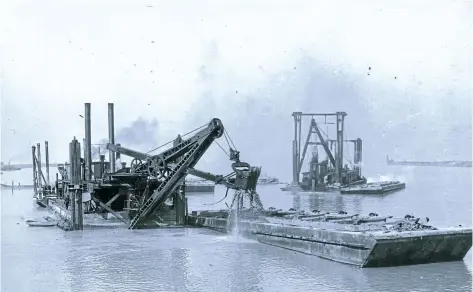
x=200, y=188
x=17, y=186
x=374, y=191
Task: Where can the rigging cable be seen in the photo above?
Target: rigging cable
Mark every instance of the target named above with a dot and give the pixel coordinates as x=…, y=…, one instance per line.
x=222, y=148
x=196, y=129
x=226, y=132
x=224, y=197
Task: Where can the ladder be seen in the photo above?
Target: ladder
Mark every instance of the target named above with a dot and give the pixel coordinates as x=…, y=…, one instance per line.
x=165, y=188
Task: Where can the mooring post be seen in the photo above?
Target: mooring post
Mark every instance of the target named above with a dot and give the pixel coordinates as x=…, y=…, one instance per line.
x=111, y=136
x=46, y=149
x=88, y=143
x=40, y=170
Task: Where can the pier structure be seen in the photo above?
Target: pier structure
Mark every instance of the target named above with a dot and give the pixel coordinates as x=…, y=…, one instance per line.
x=41, y=185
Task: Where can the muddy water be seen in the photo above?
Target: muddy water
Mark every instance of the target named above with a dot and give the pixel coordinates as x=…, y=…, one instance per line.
x=49, y=259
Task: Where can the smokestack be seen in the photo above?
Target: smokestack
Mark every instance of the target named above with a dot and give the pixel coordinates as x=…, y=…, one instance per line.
x=111, y=136
x=88, y=143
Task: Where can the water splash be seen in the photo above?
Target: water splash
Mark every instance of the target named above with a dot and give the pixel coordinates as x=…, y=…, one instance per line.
x=232, y=224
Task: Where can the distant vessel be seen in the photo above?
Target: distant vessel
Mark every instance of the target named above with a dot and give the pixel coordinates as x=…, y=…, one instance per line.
x=9, y=167
x=452, y=163
x=4, y=185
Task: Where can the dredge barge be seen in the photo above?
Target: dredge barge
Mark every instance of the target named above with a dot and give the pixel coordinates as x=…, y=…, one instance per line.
x=329, y=174
x=364, y=241
x=151, y=193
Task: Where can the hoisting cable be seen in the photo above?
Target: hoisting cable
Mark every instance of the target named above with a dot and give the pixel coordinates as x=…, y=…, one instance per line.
x=196, y=129
x=226, y=194
x=222, y=148
x=227, y=134
x=228, y=143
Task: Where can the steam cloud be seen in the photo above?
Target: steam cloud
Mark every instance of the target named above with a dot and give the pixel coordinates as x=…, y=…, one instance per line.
x=141, y=134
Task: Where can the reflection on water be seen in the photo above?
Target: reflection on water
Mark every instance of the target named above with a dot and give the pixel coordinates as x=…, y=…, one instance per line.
x=49, y=259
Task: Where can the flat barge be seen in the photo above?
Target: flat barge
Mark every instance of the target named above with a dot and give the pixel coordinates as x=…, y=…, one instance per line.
x=363, y=241
x=377, y=188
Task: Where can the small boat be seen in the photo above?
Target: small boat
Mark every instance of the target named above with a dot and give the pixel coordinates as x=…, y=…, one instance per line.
x=46, y=222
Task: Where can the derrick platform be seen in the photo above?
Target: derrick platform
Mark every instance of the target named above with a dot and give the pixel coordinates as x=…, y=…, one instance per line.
x=364, y=241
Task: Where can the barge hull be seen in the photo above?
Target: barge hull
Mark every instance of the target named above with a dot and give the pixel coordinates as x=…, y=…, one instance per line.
x=363, y=249
x=374, y=191
x=200, y=188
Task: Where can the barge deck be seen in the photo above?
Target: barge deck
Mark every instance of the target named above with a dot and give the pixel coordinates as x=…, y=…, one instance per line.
x=374, y=188
x=361, y=243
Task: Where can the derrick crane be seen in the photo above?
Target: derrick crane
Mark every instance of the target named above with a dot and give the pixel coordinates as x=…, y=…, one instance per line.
x=164, y=172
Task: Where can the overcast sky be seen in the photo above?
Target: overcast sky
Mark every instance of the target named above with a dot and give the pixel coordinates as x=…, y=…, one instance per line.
x=170, y=66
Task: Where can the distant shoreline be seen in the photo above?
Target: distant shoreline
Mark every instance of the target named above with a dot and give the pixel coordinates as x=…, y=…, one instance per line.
x=431, y=163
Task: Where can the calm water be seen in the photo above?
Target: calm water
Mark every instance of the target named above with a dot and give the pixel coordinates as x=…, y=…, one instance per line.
x=49, y=259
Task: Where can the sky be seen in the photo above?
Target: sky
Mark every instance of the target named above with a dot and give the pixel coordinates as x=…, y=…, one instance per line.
x=402, y=71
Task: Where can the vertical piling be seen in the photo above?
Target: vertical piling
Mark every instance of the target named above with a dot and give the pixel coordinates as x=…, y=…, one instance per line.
x=339, y=156
x=176, y=204
x=46, y=149
x=295, y=179
x=84, y=165
x=80, y=211
x=102, y=166
x=75, y=191
x=88, y=143
x=187, y=212
x=40, y=170
x=35, y=177
x=111, y=136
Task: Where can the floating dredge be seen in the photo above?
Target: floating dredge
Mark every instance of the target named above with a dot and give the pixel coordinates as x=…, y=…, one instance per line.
x=148, y=193
x=151, y=193
x=330, y=174
x=364, y=241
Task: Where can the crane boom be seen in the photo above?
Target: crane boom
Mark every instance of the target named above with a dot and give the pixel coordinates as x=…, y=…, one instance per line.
x=170, y=168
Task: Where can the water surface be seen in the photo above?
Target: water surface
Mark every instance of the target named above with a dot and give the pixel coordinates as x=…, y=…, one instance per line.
x=49, y=259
